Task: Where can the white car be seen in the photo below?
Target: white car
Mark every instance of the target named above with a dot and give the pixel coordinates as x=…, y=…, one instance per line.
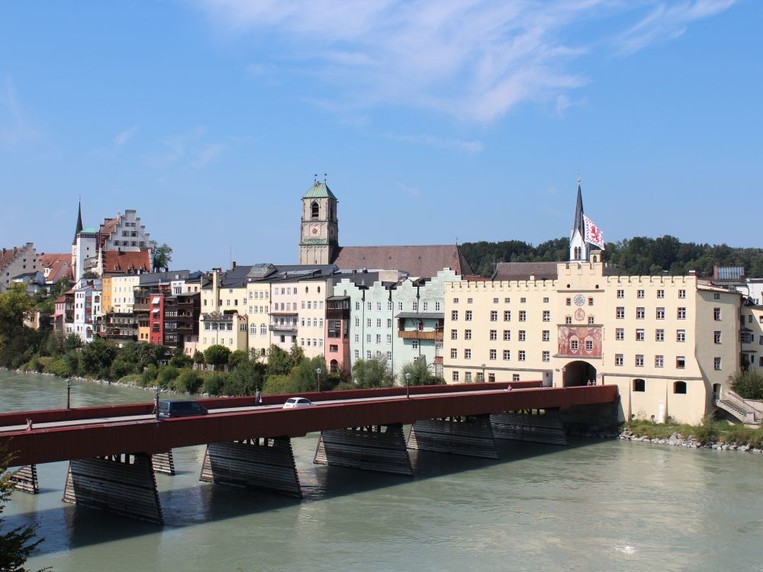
x=297, y=402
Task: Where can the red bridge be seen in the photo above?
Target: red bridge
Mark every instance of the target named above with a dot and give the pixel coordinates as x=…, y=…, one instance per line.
x=115, y=450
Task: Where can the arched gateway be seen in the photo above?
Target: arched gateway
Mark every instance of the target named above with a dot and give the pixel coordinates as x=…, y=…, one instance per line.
x=578, y=373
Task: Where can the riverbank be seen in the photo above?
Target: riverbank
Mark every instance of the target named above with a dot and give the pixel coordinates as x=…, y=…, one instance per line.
x=690, y=442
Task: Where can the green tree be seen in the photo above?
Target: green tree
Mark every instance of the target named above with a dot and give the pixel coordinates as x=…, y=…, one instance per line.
x=371, y=373
x=306, y=378
x=162, y=257
x=216, y=355
x=97, y=357
x=748, y=384
x=189, y=381
x=237, y=358
x=279, y=361
x=18, y=543
x=419, y=372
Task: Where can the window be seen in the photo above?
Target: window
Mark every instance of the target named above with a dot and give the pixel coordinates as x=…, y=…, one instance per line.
x=716, y=296
x=660, y=293
x=619, y=334
x=493, y=335
x=469, y=300
x=545, y=299
x=514, y=377
x=521, y=355
x=522, y=300
x=640, y=313
x=682, y=293
x=493, y=354
x=621, y=293
x=590, y=301
x=522, y=316
x=546, y=316
x=680, y=362
x=717, y=337
x=639, y=385
x=468, y=316
x=468, y=377
x=546, y=355
x=589, y=345
x=507, y=336
x=639, y=360
x=378, y=323
x=507, y=315
x=639, y=293
x=522, y=335
x=467, y=354
x=507, y=354
x=454, y=315
x=659, y=361
x=639, y=335
x=681, y=313
x=591, y=320
x=467, y=334
x=717, y=364
x=618, y=359
x=454, y=334
x=574, y=344
x=716, y=314
x=620, y=312
x=568, y=301
x=455, y=376
x=493, y=315
x=568, y=319
x=546, y=336
x=495, y=300
x=680, y=335
x=679, y=387
x=660, y=313
x=659, y=335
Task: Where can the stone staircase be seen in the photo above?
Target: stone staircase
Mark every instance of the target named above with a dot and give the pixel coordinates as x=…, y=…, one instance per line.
x=737, y=407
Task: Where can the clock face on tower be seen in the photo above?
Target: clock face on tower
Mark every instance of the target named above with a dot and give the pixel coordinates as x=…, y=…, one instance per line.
x=579, y=300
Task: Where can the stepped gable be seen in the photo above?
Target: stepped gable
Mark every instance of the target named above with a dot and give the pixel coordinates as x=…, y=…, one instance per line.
x=526, y=270
x=116, y=262
x=425, y=261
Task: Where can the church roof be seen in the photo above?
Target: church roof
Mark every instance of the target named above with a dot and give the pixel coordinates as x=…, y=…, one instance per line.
x=319, y=191
x=59, y=265
x=415, y=260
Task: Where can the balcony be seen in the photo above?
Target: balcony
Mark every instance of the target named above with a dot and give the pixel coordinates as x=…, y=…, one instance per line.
x=283, y=327
x=420, y=335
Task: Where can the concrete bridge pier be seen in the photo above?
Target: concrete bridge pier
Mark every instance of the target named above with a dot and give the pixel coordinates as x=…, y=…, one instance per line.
x=379, y=448
x=471, y=436
x=123, y=484
x=260, y=463
x=537, y=426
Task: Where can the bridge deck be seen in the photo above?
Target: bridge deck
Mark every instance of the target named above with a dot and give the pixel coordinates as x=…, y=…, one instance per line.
x=106, y=431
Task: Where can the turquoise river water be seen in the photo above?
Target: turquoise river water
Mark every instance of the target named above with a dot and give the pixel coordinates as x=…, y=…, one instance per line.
x=593, y=505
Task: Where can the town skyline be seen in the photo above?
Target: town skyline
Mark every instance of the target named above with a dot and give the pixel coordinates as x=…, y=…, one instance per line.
x=213, y=126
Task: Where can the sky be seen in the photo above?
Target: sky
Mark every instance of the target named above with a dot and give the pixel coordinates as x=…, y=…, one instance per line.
x=432, y=122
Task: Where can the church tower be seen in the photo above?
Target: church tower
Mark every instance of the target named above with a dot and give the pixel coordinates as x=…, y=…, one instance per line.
x=578, y=246
x=319, y=229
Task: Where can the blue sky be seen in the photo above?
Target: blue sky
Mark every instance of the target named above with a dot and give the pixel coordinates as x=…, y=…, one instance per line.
x=436, y=122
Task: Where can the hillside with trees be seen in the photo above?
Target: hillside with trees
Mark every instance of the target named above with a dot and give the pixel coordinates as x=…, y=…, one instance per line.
x=635, y=256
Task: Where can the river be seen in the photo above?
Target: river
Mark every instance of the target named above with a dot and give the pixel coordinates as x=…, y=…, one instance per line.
x=593, y=505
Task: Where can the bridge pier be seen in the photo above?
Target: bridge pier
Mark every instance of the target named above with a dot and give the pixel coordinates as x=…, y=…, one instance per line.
x=470, y=436
x=25, y=479
x=123, y=484
x=260, y=463
x=379, y=448
x=542, y=426
x=163, y=463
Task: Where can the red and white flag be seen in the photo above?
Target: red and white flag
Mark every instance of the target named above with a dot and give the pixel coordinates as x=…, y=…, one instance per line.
x=593, y=233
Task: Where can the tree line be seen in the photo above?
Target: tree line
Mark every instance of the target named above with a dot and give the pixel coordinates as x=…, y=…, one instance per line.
x=638, y=256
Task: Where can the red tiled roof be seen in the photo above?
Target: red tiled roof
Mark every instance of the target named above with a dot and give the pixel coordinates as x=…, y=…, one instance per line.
x=116, y=262
x=59, y=264
x=422, y=261
x=108, y=226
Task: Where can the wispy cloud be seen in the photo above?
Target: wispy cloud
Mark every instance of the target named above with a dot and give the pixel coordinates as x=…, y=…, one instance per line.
x=124, y=136
x=15, y=130
x=666, y=22
x=473, y=59
x=443, y=143
x=190, y=149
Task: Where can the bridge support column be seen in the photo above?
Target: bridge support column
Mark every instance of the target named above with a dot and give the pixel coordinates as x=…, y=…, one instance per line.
x=266, y=464
x=471, y=436
x=163, y=463
x=123, y=484
x=378, y=448
x=544, y=426
x=25, y=479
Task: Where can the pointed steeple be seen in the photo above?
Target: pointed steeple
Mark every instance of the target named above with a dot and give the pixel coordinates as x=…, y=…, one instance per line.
x=578, y=246
x=79, y=222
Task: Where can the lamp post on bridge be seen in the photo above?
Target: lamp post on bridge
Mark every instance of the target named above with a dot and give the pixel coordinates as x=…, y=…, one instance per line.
x=318, y=373
x=408, y=385
x=483, y=373
x=68, y=392
x=157, y=391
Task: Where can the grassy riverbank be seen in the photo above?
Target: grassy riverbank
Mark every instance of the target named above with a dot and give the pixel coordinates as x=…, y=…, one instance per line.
x=708, y=433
